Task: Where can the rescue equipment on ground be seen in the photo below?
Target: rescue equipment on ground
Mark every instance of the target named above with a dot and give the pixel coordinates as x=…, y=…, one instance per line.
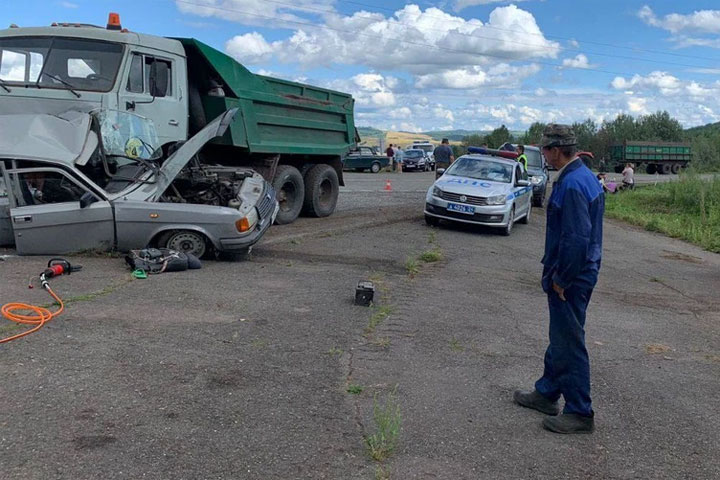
x=19, y=312
x=152, y=261
x=364, y=293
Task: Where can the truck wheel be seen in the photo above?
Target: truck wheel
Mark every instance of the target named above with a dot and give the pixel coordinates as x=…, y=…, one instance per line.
x=375, y=167
x=651, y=168
x=185, y=241
x=321, y=192
x=665, y=168
x=290, y=191
x=618, y=168
x=675, y=168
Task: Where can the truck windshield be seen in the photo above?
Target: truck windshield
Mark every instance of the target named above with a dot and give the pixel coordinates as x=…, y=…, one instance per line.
x=90, y=65
x=128, y=137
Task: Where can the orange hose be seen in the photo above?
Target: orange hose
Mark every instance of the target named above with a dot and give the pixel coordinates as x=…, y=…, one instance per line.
x=41, y=317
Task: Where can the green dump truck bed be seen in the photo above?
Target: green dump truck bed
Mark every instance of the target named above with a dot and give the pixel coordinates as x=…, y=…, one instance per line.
x=275, y=116
x=661, y=157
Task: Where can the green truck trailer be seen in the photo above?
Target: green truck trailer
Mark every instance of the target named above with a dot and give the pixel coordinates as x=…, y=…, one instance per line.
x=658, y=157
x=295, y=135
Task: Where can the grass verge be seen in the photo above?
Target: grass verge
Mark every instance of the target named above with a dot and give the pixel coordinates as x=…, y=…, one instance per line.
x=688, y=209
x=382, y=443
x=378, y=316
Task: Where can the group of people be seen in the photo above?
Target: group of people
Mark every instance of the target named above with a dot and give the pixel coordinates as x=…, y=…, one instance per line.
x=628, y=181
x=396, y=156
x=443, y=155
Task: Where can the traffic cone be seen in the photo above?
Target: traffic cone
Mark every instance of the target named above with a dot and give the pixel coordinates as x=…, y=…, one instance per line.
x=388, y=185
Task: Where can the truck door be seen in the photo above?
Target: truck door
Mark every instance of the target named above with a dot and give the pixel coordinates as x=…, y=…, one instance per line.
x=163, y=102
x=47, y=217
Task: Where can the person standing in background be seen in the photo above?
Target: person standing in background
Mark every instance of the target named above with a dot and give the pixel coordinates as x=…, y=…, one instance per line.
x=443, y=156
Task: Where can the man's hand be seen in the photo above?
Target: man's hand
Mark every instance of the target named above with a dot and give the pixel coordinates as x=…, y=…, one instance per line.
x=560, y=291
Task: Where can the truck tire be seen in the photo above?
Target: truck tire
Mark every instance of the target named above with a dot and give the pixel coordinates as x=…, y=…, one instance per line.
x=375, y=167
x=290, y=190
x=665, y=168
x=321, y=191
x=675, y=168
x=651, y=169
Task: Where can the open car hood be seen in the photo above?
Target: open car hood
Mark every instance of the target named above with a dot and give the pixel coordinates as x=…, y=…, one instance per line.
x=60, y=138
x=180, y=158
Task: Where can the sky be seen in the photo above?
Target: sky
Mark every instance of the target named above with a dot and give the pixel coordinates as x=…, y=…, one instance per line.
x=452, y=64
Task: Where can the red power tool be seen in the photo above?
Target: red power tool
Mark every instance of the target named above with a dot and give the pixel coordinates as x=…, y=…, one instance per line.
x=55, y=268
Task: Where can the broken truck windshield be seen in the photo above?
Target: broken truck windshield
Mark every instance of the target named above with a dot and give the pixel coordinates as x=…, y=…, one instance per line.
x=90, y=65
x=128, y=136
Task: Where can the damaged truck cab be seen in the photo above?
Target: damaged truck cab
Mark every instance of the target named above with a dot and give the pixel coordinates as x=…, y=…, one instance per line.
x=292, y=134
x=77, y=181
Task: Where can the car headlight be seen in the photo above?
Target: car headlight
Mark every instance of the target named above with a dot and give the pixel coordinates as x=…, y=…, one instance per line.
x=246, y=223
x=437, y=192
x=536, y=179
x=496, y=200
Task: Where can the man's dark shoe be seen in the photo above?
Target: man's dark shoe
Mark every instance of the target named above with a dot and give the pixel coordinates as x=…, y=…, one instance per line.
x=570, y=423
x=536, y=401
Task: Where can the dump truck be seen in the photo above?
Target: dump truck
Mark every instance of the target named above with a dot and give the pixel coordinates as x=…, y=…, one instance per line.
x=658, y=157
x=295, y=135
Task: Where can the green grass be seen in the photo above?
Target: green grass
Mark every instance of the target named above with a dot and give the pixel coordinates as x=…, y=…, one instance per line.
x=335, y=351
x=382, y=443
x=355, y=389
x=688, y=209
x=455, y=345
x=379, y=315
x=431, y=256
x=412, y=266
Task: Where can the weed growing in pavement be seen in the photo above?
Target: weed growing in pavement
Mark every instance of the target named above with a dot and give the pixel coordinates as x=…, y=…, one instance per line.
x=381, y=473
x=455, y=345
x=335, y=351
x=432, y=237
x=431, y=256
x=259, y=343
x=382, y=342
x=412, y=266
x=382, y=443
x=378, y=316
x=355, y=389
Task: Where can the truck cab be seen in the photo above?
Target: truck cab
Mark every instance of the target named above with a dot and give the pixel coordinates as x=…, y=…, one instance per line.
x=50, y=70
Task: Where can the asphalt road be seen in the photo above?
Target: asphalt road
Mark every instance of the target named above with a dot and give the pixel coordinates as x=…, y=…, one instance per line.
x=241, y=370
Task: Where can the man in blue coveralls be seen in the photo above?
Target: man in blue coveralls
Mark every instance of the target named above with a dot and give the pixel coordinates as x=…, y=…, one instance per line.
x=573, y=249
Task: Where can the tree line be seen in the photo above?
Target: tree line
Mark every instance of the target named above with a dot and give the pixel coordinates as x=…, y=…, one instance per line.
x=599, y=138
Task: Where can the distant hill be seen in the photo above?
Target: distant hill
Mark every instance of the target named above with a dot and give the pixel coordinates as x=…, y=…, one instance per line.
x=708, y=130
x=456, y=135
x=369, y=132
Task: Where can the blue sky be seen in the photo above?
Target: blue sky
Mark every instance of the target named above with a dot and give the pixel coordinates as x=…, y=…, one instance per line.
x=472, y=64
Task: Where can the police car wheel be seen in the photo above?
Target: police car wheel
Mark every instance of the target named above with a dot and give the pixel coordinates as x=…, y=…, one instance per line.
x=507, y=230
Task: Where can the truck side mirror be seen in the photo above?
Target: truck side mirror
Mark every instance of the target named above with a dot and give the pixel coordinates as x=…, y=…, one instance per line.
x=159, y=78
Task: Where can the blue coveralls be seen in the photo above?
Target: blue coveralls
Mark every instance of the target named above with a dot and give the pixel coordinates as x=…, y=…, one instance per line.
x=573, y=249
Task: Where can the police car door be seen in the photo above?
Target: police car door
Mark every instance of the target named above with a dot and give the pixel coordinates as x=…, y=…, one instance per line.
x=523, y=193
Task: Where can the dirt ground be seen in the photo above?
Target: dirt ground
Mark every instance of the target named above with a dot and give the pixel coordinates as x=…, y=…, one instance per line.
x=266, y=370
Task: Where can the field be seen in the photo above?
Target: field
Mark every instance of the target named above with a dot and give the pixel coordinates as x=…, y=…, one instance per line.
x=403, y=138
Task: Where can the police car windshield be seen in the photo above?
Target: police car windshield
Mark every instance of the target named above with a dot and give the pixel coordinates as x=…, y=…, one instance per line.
x=481, y=169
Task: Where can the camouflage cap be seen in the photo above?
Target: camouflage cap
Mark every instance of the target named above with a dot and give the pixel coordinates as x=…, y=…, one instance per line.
x=558, y=135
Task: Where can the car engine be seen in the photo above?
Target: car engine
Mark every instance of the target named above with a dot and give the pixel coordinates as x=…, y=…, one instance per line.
x=208, y=185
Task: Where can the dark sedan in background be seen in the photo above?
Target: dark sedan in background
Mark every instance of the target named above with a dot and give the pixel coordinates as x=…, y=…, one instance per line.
x=415, y=159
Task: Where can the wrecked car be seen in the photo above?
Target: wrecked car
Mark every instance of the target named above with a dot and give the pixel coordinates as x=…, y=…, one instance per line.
x=96, y=181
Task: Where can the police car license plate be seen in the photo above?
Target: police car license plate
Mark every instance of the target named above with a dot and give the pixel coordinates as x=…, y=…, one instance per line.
x=454, y=207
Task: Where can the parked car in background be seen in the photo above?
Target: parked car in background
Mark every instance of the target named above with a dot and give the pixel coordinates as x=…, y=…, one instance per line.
x=428, y=148
x=414, y=159
x=365, y=158
x=537, y=171
x=481, y=189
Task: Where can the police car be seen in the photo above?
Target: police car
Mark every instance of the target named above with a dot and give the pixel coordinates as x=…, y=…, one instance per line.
x=483, y=189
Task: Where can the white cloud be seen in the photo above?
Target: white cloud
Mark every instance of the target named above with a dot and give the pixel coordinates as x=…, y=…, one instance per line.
x=662, y=81
x=501, y=75
x=638, y=106
x=574, y=43
x=250, y=48
x=420, y=41
x=460, y=4
x=69, y=5
x=580, y=61
x=257, y=12
x=700, y=21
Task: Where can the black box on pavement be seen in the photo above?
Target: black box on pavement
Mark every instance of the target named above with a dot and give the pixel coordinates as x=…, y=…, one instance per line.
x=364, y=293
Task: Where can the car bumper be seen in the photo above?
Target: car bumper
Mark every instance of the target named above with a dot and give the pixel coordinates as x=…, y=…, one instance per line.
x=267, y=211
x=490, y=215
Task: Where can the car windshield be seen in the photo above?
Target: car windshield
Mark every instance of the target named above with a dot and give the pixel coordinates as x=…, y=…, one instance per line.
x=128, y=136
x=481, y=169
x=425, y=148
x=413, y=154
x=49, y=61
x=534, y=159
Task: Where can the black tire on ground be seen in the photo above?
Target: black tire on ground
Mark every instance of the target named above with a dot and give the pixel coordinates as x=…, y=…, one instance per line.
x=665, y=168
x=675, y=168
x=651, y=168
x=321, y=191
x=375, y=167
x=185, y=241
x=526, y=219
x=290, y=190
x=507, y=230
x=432, y=221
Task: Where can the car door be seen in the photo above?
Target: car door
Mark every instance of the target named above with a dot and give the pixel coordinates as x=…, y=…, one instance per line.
x=47, y=217
x=522, y=194
x=166, y=109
